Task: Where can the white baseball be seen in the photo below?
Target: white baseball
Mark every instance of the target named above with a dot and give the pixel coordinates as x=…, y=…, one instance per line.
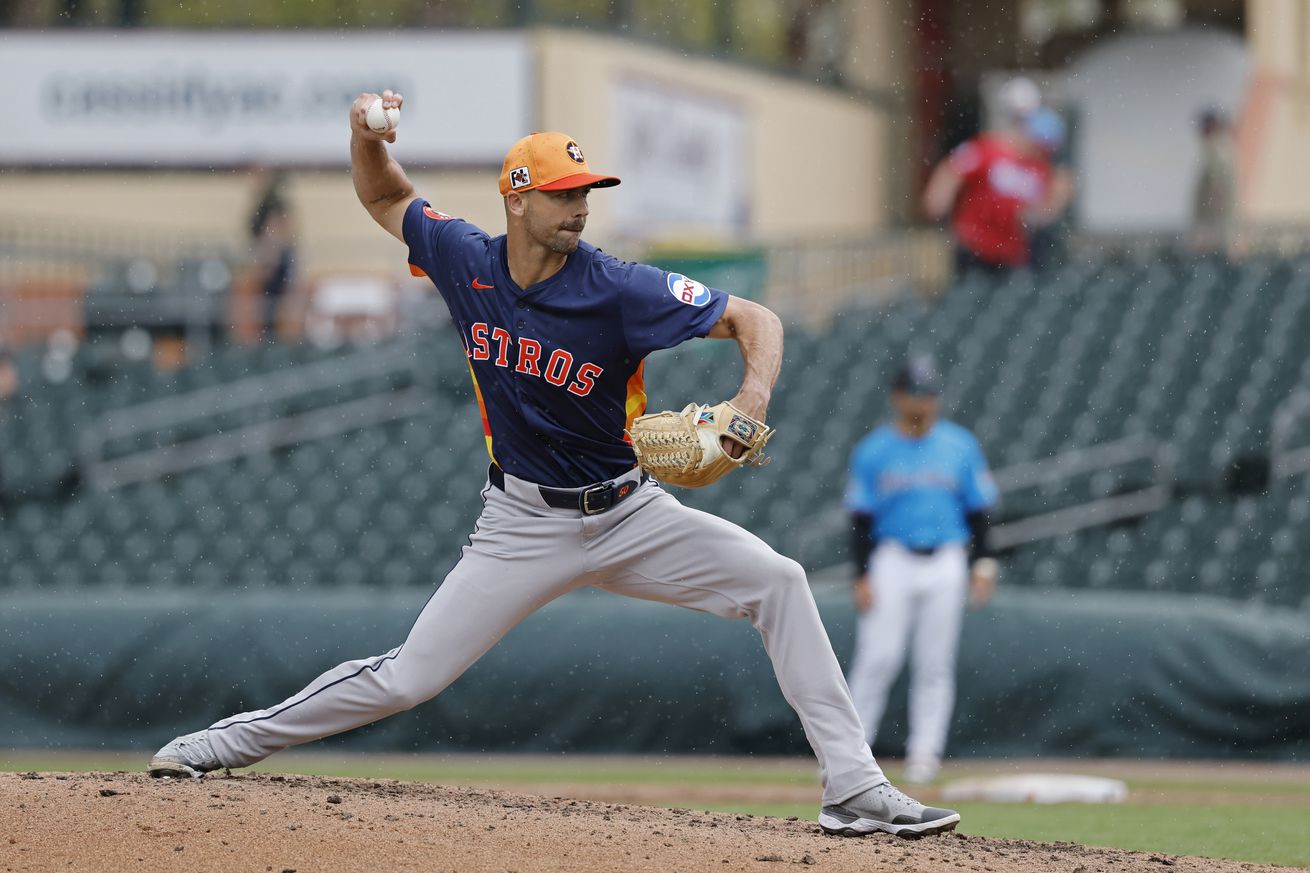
x=381, y=120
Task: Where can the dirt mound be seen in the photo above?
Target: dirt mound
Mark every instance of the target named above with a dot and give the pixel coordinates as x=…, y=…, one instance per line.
x=127, y=821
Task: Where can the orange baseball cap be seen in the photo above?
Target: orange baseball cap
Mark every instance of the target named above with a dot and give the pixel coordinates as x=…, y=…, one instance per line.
x=549, y=161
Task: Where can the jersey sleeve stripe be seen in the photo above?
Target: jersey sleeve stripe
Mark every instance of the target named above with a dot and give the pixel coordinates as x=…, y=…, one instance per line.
x=635, y=404
x=417, y=271
x=482, y=410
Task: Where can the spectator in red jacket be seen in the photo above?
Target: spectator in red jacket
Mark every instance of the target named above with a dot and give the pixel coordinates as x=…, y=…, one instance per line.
x=993, y=187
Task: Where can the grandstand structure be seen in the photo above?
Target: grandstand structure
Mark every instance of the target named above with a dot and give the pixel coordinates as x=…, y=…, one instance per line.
x=1146, y=412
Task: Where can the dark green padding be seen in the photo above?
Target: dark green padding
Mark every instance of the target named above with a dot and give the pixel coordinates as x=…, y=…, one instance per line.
x=1045, y=673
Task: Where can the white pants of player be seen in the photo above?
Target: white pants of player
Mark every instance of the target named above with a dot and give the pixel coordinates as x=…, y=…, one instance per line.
x=522, y=555
x=918, y=605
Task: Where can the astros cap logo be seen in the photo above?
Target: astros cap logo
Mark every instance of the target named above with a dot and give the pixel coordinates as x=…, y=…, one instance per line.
x=550, y=161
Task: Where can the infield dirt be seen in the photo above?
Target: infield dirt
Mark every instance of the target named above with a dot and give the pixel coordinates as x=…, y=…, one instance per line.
x=266, y=822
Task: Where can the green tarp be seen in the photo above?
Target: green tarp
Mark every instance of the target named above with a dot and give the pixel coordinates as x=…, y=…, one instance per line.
x=1040, y=674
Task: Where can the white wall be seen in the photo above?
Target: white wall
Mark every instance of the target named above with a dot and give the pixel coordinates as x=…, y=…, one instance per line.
x=1138, y=97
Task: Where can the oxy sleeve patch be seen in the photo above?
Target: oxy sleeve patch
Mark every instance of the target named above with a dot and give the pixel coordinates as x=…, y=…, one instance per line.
x=687, y=290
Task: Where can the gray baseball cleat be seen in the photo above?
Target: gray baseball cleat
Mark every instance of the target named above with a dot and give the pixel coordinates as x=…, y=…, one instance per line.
x=187, y=755
x=885, y=808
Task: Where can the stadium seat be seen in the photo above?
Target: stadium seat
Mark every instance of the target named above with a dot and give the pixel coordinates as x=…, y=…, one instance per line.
x=1197, y=354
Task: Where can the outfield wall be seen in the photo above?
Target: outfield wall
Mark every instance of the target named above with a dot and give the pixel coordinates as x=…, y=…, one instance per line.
x=1058, y=674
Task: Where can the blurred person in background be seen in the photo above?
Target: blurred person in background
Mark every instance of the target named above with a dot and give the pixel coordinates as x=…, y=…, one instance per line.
x=9, y=385
x=1214, y=195
x=1047, y=130
x=8, y=376
x=273, y=254
x=918, y=494
x=991, y=185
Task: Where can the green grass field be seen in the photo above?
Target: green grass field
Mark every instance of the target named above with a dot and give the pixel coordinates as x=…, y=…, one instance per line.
x=1249, y=813
x=1215, y=831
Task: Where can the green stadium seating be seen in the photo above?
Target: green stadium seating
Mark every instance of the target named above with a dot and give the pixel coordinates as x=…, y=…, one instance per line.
x=1195, y=353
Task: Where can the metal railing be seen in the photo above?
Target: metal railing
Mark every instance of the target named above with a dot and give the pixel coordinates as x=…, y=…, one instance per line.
x=1152, y=496
x=1286, y=239
x=809, y=280
x=54, y=278
x=1286, y=459
x=105, y=470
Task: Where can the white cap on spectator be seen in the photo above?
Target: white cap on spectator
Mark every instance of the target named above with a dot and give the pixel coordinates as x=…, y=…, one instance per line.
x=1019, y=97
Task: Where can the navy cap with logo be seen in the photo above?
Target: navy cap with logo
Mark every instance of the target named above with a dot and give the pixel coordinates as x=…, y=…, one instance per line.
x=918, y=376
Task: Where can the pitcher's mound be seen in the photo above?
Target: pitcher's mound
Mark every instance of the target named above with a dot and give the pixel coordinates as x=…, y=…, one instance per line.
x=127, y=821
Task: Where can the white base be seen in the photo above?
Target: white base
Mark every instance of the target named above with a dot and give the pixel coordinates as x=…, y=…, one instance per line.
x=1038, y=788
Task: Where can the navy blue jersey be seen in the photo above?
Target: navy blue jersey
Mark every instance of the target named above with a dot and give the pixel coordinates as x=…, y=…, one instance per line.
x=557, y=367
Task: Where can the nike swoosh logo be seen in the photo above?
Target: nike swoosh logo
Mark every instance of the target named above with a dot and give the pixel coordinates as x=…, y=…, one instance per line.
x=479, y=286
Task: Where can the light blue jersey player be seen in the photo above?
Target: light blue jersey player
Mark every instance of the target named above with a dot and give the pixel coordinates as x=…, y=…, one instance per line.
x=918, y=494
x=555, y=333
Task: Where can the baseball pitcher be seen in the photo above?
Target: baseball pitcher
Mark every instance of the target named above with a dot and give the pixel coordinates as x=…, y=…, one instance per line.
x=554, y=333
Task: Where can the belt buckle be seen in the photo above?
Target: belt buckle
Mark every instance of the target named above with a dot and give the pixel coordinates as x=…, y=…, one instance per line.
x=604, y=494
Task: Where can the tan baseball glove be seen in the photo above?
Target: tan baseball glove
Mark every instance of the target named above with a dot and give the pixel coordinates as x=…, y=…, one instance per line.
x=683, y=448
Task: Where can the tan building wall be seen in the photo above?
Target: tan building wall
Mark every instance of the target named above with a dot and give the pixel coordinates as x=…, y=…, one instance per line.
x=879, y=47
x=1275, y=125
x=817, y=157
x=880, y=51
x=817, y=167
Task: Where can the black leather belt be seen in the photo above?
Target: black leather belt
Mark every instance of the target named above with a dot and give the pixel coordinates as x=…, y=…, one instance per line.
x=591, y=500
x=923, y=551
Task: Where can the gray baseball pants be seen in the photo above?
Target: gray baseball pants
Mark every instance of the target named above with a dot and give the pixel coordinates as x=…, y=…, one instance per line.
x=523, y=554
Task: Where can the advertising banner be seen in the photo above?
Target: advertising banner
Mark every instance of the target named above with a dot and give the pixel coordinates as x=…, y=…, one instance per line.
x=188, y=99
x=683, y=158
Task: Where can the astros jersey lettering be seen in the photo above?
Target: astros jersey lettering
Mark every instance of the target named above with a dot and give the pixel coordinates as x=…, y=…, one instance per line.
x=557, y=367
x=919, y=490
